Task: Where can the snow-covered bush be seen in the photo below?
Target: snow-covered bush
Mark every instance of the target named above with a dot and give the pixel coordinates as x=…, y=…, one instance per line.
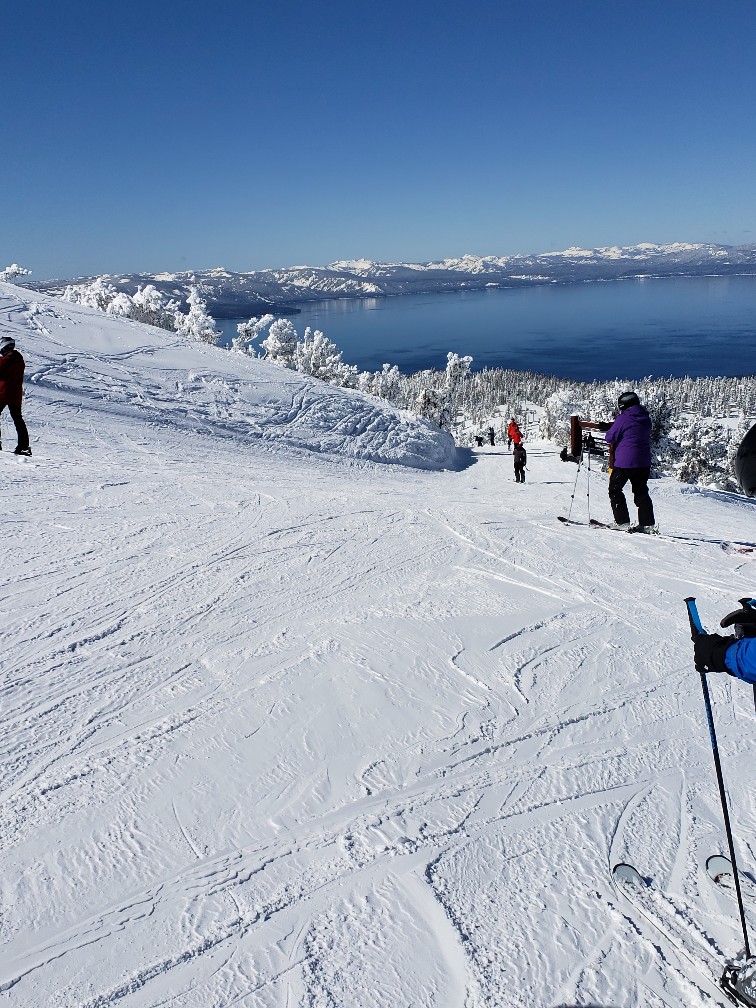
x=147, y=305
x=318, y=356
x=388, y=383
x=696, y=450
x=12, y=272
x=557, y=410
x=98, y=294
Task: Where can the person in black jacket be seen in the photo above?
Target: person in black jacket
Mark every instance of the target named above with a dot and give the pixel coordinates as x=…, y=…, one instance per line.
x=12, y=390
x=520, y=461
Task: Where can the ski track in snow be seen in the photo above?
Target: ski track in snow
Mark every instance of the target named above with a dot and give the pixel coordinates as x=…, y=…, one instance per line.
x=280, y=729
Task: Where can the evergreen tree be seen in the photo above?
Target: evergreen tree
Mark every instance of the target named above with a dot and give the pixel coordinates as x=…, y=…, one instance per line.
x=197, y=324
x=249, y=332
x=280, y=345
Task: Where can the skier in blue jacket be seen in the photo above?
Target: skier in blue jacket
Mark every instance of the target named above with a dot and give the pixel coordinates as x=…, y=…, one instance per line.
x=735, y=654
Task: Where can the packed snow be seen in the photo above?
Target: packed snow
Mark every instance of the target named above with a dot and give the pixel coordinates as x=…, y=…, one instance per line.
x=302, y=707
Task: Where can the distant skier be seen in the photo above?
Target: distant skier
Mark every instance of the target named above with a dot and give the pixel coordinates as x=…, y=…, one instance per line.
x=520, y=461
x=479, y=440
x=491, y=436
x=514, y=434
x=629, y=439
x=736, y=654
x=590, y=445
x=11, y=390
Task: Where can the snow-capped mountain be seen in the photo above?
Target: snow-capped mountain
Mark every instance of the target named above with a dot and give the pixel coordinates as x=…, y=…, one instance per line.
x=235, y=295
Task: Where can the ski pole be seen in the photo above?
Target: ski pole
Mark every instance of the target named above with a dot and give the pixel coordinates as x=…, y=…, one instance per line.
x=696, y=628
x=588, y=492
x=574, y=488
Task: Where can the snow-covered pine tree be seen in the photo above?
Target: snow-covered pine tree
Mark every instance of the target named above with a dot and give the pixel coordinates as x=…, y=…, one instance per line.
x=280, y=345
x=431, y=404
x=249, y=332
x=558, y=408
x=457, y=370
x=197, y=324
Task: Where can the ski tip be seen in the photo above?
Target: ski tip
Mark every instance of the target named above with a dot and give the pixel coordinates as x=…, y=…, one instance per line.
x=623, y=872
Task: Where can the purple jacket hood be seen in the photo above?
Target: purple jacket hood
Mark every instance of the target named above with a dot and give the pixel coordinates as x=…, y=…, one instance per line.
x=631, y=436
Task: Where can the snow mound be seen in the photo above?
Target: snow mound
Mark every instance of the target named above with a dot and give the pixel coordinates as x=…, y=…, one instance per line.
x=97, y=362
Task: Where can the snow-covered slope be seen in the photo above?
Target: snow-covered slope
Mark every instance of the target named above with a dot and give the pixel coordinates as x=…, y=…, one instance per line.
x=233, y=295
x=281, y=727
x=90, y=360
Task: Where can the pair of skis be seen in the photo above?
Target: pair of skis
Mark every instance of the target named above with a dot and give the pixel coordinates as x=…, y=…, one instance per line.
x=595, y=523
x=738, y=981
x=725, y=545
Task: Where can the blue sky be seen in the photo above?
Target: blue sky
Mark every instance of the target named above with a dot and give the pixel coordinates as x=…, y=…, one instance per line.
x=167, y=136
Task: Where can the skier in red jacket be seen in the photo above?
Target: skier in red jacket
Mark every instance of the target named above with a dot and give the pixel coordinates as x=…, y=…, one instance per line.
x=11, y=390
x=514, y=434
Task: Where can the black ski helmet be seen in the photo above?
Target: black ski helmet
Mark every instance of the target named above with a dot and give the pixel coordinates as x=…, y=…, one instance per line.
x=745, y=463
x=626, y=400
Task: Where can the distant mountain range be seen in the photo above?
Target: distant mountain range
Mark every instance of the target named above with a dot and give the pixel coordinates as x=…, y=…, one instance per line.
x=242, y=295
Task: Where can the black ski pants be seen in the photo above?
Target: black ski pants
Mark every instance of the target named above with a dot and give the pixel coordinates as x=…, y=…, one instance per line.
x=519, y=473
x=638, y=479
x=21, y=432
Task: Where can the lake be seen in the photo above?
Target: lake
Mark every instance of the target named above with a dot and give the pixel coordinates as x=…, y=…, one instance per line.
x=677, y=326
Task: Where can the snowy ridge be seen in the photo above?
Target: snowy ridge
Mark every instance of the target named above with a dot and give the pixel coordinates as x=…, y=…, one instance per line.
x=231, y=295
x=280, y=729
x=88, y=359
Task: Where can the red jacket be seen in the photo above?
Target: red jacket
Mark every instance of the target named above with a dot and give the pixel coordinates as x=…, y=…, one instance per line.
x=514, y=432
x=11, y=378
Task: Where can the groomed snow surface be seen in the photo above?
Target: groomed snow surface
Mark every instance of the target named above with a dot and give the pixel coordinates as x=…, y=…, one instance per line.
x=297, y=710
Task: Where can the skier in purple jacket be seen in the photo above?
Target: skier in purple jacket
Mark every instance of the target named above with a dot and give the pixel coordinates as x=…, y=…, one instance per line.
x=629, y=438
